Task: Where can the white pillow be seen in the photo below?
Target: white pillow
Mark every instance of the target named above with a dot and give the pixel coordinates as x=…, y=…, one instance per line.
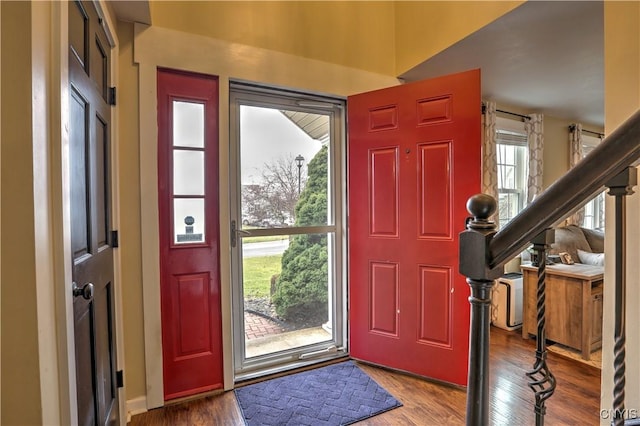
x=596, y=259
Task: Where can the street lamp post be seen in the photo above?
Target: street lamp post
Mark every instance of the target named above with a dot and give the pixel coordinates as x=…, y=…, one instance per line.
x=299, y=161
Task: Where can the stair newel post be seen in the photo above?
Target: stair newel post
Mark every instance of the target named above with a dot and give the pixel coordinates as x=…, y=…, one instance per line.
x=620, y=187
x=474, y=264
x=543, y=383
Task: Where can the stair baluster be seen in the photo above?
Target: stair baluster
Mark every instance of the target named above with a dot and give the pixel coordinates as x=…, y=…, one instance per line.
x=543, y=383
x=620, y=187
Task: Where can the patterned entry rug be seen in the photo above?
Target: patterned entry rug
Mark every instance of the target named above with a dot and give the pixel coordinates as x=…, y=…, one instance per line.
x=338, y=394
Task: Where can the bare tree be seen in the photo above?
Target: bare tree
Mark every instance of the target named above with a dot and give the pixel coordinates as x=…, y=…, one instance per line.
x=274, y=200
x=255, y=206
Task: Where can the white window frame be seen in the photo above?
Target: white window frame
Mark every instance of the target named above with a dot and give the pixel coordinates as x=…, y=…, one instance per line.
x=594, y=210
x=247, y=94
x=511, y=133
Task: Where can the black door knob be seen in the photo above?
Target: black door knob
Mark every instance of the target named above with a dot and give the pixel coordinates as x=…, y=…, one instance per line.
x=86, y=291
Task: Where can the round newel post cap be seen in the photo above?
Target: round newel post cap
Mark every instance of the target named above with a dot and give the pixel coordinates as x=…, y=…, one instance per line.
x=481, y=206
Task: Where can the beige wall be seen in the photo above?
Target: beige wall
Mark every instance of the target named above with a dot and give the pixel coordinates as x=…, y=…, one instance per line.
x=622, y=98
x=380, y=36
x=21, y=403
x=556, y=147
x=128, y=171
x=356, y=34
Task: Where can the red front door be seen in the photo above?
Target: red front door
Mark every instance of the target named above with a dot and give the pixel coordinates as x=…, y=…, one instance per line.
x=189, y=236
x=414, y=159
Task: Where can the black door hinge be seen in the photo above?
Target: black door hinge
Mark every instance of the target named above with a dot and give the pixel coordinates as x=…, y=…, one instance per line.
x=114, y=239
x=119, y=379
x=112, y=95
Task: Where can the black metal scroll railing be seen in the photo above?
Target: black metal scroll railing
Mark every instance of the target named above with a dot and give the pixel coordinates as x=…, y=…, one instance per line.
x=483, y=253
x=542, y=383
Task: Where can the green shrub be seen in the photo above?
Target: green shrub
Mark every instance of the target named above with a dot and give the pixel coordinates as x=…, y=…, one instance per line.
x=301, y=290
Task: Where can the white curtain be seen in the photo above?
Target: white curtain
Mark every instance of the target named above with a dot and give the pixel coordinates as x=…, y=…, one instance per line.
x=575, y=156
x=489, y=155
x=535, y=135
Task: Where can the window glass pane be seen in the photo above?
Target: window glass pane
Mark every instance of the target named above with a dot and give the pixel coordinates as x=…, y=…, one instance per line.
x=588, y=221
x=188, y=172
x=508, y=206
x=512, y=176
x=507, y=177
x=510, y=154
x=284, y=167
x=188, y=124
x=287, y=283
x=188, y=220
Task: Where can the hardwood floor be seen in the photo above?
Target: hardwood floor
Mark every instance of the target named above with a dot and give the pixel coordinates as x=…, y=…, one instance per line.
x=576, y=399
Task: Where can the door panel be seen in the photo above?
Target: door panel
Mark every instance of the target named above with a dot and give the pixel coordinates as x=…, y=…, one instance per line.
x=434, y=189
x=414, y=160
x=434, y=305
x=90, y=206
x=78, y=113
x=189, y=234
x=191, y=305
x=102, y=186
x=383, y=192
x=384, y=298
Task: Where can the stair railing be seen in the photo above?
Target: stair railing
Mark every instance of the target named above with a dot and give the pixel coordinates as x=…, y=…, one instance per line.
x=483, y=253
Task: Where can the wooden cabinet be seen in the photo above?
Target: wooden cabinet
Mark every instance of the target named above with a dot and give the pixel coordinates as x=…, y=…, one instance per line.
x=573, y=305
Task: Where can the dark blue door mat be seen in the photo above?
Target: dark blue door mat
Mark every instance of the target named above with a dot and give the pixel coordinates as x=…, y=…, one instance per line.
x=338, y=394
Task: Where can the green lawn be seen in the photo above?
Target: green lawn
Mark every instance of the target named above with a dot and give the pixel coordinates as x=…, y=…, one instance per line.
x=263, y=239
x=257, y=273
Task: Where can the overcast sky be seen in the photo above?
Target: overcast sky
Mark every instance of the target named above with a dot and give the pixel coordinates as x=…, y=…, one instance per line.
x=266, y=135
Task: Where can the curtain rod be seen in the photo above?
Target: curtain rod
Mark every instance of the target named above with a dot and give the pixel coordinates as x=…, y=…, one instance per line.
x=572, y=127
x=524, y=117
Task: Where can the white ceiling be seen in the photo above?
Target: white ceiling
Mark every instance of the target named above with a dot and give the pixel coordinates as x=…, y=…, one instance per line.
x=544, y=56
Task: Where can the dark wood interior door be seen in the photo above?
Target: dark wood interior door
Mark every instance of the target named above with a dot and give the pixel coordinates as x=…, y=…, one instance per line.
x=91, y=245
x=414, y=160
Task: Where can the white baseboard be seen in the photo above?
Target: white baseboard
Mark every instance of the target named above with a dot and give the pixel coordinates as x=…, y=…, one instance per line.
x=136, y=406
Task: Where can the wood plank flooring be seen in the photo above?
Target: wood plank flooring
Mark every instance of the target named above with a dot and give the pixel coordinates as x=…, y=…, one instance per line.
x=576, y=400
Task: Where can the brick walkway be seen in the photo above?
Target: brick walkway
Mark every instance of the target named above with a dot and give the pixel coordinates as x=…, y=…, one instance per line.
x=258, y=326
